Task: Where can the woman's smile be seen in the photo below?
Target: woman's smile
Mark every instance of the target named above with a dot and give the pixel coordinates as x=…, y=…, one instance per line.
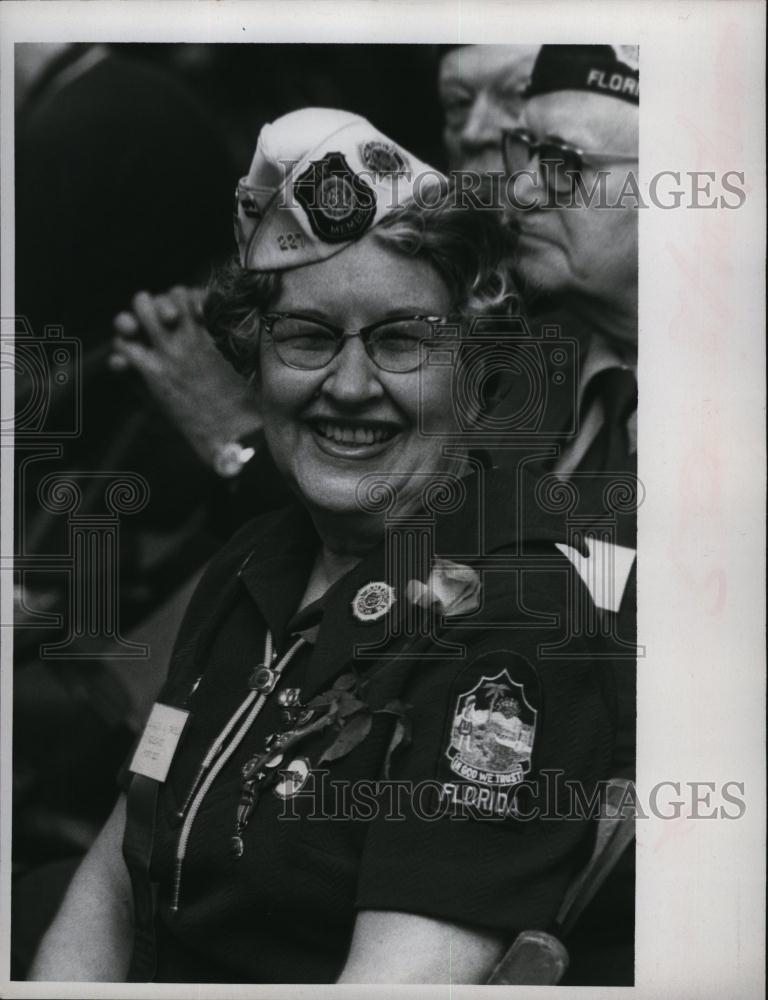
x=342, y=437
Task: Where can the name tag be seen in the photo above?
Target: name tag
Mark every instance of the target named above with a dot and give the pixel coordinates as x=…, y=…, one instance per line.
x=159, y=741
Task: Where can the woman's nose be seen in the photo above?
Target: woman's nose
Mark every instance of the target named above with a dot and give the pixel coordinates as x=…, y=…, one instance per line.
x=353, y=377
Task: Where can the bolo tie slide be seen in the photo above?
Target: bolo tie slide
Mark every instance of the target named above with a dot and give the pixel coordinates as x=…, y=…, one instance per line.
x=260, y=772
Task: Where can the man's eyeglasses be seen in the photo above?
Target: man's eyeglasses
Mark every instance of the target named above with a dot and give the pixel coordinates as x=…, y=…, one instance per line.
x=561, y=162
x=394, y=345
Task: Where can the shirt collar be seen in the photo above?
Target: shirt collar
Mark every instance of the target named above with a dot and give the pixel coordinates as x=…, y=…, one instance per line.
x=275, y=572
x=600, y=356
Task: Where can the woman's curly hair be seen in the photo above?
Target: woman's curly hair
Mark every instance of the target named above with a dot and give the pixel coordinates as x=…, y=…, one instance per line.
x=471, y=248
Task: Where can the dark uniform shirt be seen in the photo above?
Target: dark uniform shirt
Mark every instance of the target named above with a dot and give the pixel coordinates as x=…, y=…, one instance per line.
x=501, y=710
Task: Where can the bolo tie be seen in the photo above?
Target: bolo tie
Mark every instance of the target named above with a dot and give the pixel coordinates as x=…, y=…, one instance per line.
x=616, y=391
x=259, y=771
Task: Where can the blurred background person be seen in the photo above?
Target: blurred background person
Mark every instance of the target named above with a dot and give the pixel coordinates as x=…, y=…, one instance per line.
x=482, y=93
x=579, y=133
x=574, y=155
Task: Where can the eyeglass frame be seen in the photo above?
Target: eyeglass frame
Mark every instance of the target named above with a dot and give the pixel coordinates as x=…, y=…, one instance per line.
x=587, y=158
x=267, y=321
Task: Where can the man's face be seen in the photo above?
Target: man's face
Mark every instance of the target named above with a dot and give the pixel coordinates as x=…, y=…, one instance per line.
x=584, y=249
x=481, y=91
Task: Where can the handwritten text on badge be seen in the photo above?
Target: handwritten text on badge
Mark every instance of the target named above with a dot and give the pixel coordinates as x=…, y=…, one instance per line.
x=158, y=741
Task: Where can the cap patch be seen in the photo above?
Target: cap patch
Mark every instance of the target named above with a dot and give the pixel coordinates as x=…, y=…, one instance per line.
x=338, y=203
x=383, y=159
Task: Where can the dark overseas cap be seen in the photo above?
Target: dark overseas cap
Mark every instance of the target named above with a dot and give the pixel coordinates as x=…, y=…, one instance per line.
x=610, y=70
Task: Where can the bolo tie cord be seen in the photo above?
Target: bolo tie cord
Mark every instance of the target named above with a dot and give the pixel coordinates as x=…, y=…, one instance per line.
x=218, y=755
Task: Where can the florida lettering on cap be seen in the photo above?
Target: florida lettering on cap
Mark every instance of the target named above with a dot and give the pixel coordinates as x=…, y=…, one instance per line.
x=611, y=70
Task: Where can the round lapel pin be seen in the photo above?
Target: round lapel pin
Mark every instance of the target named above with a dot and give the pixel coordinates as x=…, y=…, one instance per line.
x=373, y=601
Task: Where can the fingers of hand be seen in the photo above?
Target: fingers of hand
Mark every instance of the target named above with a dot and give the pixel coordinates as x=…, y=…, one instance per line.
x=189, y=302
x=157, y=314
x=167, y=311
x=197, y=296
x=134, y=354
x=125, y=324
x=118, y=362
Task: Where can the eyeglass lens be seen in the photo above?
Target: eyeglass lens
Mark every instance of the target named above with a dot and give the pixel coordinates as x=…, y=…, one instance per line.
x=394, y=346
x=559, y=164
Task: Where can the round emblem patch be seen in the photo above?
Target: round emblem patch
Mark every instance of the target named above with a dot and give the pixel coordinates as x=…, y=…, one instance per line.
x=383, y=159
x=373, y=601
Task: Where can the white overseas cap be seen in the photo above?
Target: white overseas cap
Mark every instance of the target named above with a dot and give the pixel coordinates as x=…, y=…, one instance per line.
x=320, y=179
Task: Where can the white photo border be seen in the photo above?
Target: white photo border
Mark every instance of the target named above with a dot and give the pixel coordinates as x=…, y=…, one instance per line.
x=701, y=686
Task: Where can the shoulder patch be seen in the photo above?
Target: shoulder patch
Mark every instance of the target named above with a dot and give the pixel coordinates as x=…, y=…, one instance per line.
x=492, y=733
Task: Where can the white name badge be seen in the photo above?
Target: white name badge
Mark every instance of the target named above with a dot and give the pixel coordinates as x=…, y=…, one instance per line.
x=159, y=741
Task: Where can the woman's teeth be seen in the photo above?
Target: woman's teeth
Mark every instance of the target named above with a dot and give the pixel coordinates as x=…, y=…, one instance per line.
x=353, y=435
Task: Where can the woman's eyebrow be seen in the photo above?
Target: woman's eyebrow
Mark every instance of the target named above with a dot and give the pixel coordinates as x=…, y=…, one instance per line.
x=405, y=311
x=311, y=312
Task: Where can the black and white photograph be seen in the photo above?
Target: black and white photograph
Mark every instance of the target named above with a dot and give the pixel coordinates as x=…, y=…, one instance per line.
x=383, y=494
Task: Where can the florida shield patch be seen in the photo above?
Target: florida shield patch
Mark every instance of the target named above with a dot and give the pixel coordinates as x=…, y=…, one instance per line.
x=492, y=733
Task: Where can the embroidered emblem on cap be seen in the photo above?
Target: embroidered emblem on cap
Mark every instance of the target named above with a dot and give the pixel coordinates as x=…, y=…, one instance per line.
x=339, y=204
x=373, y=601
x=492, y=733
x=383, y=159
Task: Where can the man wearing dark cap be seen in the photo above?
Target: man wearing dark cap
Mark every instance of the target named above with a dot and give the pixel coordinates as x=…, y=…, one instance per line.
x=575, y=153
x=572, y=156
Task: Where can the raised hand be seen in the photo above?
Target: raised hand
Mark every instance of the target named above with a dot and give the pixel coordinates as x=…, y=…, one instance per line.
x=164, y=338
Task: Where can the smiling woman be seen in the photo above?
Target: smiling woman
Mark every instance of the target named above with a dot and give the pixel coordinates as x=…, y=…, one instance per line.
x=339, y=780
x=350, y=384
